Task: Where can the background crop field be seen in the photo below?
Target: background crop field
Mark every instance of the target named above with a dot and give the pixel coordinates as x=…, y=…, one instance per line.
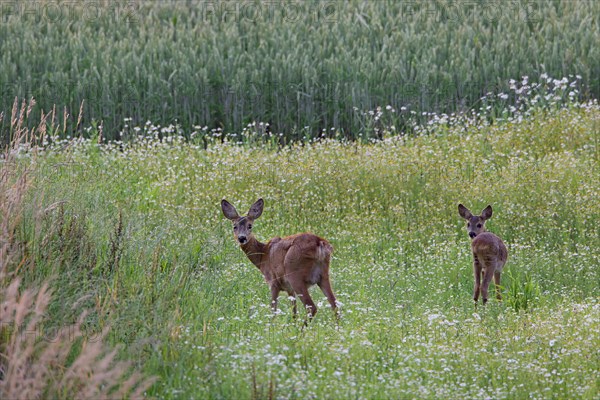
x=304, y=67
x=134, y=232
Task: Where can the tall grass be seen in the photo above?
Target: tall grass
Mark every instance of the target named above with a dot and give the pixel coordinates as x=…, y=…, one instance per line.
x=156, y=260
x=41, y=357
x=302, y=67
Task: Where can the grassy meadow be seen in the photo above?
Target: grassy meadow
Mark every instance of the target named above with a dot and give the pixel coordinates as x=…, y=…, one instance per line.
x=133, y=231
x=364, y=122
x=301, y=66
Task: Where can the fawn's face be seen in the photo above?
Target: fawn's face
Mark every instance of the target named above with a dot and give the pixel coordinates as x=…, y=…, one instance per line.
x=242, y=229
x=242, y=226
x=475, y=223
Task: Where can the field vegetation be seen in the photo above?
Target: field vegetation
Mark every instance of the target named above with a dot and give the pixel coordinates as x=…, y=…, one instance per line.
x=132, y=232
x=124, y=124
x=304, y=67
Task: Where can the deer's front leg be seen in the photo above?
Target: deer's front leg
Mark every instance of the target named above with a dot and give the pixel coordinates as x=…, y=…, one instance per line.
x=477, y=274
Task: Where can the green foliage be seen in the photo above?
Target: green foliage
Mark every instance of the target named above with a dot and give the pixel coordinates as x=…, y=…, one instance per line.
x=301, y=66
x=41, y=356
x=522, y=291
x=155, y=258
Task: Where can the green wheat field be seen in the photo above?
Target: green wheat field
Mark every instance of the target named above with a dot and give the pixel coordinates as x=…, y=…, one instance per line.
x=302, y=66
x=122, y=221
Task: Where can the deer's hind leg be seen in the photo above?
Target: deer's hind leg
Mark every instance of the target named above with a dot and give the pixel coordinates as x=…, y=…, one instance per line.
x=294, y=263
x=301, y=290
x=488, y=273
x=497, y=285
x=325, y=286
x=292, y=298
x=274, y=295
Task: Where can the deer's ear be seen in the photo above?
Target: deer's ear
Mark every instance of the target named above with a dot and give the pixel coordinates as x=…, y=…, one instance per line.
x=256, y=209
x=229, y=210
x=486, y=213
x=464, y=212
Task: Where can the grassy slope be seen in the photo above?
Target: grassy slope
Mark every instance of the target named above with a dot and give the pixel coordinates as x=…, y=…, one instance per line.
x=194, y=311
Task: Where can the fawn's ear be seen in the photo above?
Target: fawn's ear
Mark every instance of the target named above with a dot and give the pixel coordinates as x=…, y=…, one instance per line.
x=256, y=209
x=229, y=210
x=464, y=212
x=486, y=213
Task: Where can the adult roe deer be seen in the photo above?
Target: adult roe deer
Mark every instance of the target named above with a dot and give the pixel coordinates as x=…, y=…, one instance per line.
x=489, y=252
x=291, y=264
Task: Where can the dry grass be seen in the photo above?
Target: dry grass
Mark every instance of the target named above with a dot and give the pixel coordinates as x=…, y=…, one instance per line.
x=34, y=362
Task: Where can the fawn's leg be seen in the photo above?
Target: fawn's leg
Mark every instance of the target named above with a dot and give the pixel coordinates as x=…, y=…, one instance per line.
x=487, y=278
x=497, y=284
x=302, y=291
x=325, y=286
x=274, y=295
x=293, y=263
x=292, y=297
x=477, y=274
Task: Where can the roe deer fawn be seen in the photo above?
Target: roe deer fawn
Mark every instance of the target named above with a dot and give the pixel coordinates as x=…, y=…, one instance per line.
x=489, y=252
x=291, y=264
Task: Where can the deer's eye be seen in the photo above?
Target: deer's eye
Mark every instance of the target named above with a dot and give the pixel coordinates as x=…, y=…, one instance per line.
x=235, y=228
x=249, y=226
x=468, y=224
x=479, y=225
